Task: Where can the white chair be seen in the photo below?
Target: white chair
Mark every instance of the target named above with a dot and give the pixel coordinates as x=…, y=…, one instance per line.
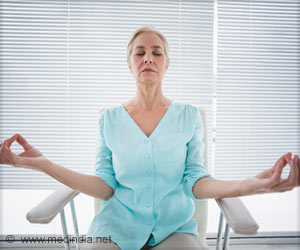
x=236, y=215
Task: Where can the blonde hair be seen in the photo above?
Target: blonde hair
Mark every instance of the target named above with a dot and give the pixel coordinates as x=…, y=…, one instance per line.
x=143, y=30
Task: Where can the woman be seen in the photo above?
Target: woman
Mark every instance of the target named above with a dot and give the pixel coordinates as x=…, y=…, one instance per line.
x=149, y=166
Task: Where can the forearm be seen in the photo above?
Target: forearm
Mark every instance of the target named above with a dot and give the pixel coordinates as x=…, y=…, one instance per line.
x=212, y=188
x=268, y=181
x=88, y=184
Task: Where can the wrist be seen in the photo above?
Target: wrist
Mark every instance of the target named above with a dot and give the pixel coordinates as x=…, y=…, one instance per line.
x=44, y=165
x=239, y=188
x=249, y=187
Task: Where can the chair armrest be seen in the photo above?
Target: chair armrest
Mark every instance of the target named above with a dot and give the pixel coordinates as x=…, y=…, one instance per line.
x=237, y=216
x=47, y=209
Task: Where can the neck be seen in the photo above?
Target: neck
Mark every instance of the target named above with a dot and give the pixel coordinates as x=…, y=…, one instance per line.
x=149, y=96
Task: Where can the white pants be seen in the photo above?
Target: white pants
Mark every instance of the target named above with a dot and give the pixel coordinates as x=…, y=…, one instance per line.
x=176, y=241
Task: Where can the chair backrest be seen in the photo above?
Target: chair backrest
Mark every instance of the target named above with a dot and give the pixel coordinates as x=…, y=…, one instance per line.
x=201, y=206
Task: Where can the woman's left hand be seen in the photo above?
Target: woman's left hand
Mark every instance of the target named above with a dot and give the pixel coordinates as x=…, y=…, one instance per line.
x=270, y=181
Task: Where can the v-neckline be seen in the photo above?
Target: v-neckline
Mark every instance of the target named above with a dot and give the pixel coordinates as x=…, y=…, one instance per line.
x=157, y=126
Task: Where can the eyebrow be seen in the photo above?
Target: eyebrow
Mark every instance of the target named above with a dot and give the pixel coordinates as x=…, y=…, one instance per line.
x=154, y=47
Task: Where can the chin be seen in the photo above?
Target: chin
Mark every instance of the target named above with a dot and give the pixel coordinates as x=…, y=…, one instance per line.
x=150, y=83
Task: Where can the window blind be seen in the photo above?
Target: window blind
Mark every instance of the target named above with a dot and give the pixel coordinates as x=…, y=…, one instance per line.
x=257, y=85
x=63, y=60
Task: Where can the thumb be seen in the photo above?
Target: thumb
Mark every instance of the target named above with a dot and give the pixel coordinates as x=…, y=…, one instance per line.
x=276, y=177
x=281, y=161
x=22, y=141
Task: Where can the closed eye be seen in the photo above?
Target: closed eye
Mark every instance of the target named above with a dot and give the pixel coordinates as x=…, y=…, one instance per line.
x=154, y=53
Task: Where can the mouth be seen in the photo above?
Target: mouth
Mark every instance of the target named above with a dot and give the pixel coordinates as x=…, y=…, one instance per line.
x=148, y=70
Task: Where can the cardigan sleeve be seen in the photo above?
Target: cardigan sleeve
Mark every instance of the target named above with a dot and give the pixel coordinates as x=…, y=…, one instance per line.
x=194, y=167
x=103, y=166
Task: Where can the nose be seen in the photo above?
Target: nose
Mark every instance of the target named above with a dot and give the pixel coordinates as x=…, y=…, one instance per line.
x=148, y=59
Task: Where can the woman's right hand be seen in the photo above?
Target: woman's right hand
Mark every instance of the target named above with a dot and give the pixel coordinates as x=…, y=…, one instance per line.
x=30, y=158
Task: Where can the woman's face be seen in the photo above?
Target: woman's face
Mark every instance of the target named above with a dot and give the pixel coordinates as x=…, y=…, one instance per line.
x=148, y=62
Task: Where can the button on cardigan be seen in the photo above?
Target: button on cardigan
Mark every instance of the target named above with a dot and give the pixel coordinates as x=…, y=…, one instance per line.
x=152, y=177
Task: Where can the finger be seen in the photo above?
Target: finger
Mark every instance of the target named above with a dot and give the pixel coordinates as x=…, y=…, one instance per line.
x=8, y=156
x=298, y=169
x=280, y=164
x=23, y=142
x=293, y=175
x=276, y=177
x=278, y=168
x=288, y=159
x=281, y=161
x=289, y=183
x=9, y=141
x=294, y=171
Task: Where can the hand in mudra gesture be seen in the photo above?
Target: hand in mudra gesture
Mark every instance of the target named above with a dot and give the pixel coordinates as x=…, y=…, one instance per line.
x=30, y=158
x=270, y=181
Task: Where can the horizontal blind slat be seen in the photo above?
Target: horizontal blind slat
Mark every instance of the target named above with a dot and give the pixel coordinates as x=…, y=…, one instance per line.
x=258, y=74
x=63, y=60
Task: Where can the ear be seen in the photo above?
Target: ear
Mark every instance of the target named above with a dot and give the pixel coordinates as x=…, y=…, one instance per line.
x=168, y=64
x=129, y=64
